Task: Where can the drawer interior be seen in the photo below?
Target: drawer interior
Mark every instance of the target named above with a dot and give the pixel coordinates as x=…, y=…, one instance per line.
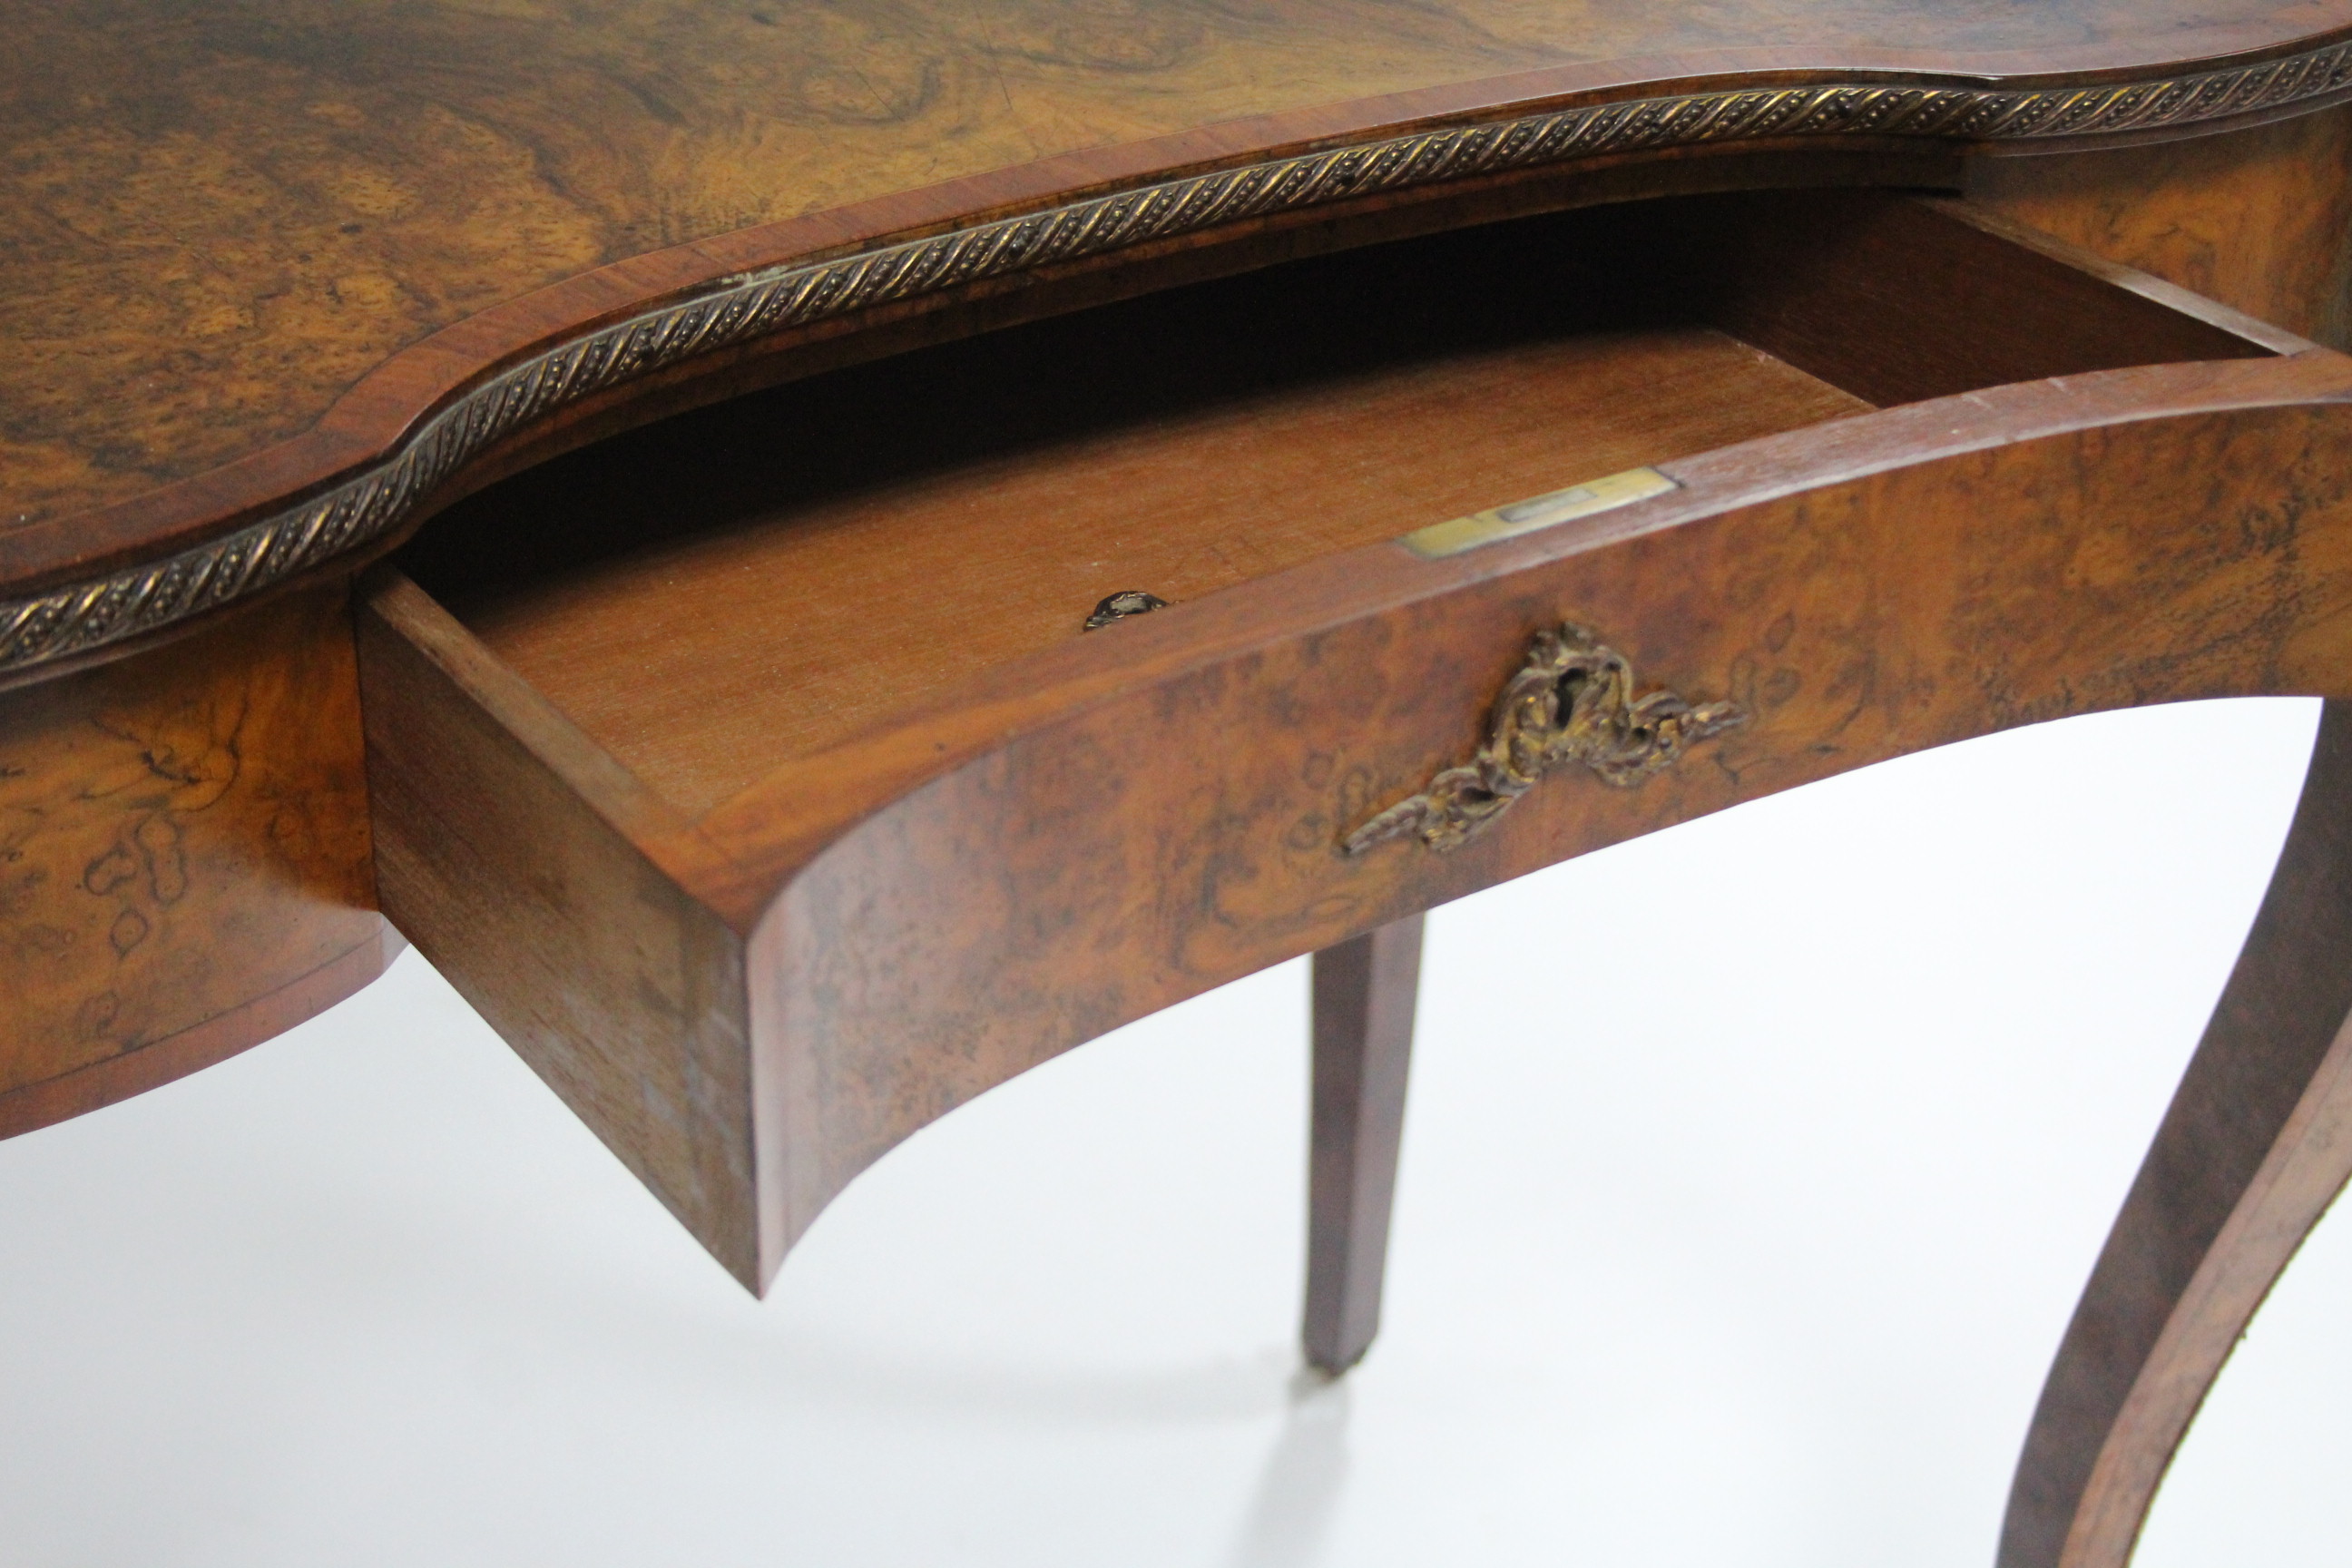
x=735, y=587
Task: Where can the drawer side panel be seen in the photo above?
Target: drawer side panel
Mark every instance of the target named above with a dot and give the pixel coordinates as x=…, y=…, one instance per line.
x=622, y=992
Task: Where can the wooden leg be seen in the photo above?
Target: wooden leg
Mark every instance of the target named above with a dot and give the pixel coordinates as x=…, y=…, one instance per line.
x=1364, y=993
x=2256, y=1143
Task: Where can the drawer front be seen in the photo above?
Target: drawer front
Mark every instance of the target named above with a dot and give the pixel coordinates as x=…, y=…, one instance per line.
x=772, y=817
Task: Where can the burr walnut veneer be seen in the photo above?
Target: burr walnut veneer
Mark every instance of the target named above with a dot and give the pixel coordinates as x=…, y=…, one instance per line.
x=815, y=557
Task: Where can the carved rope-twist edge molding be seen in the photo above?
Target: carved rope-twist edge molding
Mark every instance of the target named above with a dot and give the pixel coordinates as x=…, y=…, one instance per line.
x=87, y=616
x=1571, y=701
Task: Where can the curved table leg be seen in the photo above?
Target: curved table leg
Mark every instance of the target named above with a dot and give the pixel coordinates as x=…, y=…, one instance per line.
x=2257, y=1141
x=1364, y=993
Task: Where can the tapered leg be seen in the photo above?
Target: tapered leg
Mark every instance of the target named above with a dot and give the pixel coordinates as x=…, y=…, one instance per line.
x=1364, y=993
x=2256, y=1143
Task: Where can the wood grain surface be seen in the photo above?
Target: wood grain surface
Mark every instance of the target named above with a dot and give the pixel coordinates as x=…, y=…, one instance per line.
x=1029, y=845
x=184, y=862
x=1021, y=547
x=2261, y=220
x=1365, y=989
x=752, y=774
x=1087, y=836
x=252, y=206
x=2256, y=1144
x=248, y=248
x=1014, y=480
x=510, y=850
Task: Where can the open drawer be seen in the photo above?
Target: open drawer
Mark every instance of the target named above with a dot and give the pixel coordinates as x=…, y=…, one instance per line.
x=755, y=775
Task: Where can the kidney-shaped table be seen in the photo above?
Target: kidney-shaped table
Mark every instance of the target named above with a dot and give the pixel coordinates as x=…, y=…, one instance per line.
x=812, y=558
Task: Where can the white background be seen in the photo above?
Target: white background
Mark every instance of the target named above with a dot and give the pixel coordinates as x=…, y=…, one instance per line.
x=1751, y=1174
